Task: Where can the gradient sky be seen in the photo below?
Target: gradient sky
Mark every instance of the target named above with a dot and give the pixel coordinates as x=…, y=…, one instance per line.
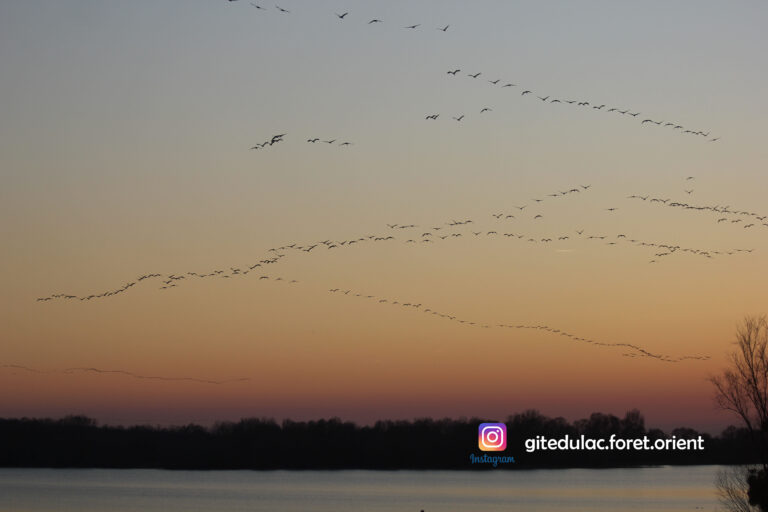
x=124, y=136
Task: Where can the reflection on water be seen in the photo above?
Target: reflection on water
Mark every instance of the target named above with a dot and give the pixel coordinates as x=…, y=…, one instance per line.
x=90, y=490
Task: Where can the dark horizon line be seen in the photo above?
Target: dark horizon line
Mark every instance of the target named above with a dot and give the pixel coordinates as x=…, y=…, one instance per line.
x=709, y=428
x=91, y=420
x=262, y=444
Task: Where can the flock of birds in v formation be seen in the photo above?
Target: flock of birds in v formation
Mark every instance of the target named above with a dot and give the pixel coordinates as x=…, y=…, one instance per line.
x=752, y=219
x=102, y=371
x=578, y=103
x=275, y=139
x=448, y=231
x=633, y=350
x=596, y=106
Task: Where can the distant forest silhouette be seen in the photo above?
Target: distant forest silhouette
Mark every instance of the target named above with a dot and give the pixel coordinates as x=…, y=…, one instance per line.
x=79, y=442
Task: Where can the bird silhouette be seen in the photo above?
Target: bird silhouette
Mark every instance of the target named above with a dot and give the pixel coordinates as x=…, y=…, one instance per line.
x=341, y=16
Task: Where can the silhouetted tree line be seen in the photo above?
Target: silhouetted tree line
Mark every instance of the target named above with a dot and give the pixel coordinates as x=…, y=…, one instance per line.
x=77, y=441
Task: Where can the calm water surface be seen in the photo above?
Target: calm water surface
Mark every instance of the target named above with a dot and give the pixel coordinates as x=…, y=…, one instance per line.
x=641, y=489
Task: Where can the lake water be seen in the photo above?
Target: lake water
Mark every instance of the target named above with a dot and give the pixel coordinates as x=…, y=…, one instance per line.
x=89, y=490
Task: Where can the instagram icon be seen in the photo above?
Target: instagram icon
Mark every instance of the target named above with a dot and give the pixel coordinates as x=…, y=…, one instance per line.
x=492, y=437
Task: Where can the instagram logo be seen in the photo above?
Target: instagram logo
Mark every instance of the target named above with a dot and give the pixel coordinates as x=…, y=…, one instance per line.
x=492, y=437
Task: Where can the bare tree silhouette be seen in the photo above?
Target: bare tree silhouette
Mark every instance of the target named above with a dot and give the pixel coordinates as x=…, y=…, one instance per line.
x=733, y=489
x=743, y=389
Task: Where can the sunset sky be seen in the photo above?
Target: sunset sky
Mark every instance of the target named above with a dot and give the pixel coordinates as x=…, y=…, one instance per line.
x=125, y=130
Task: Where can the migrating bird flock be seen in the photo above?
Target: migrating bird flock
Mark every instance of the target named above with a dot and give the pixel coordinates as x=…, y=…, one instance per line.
x=280, y=138
x=634, y=350
x=585, y=104
x=120, y=372
x=736, y=216
x=428, y=237
x=340, y=16
x=448, y=230
x=504, y=84
x=500, y=224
